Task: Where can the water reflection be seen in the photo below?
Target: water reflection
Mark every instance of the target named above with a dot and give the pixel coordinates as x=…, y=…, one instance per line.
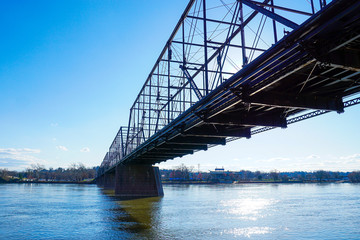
x=247, y=208
x=249, y=232
x=138, y=216
x=144, y=211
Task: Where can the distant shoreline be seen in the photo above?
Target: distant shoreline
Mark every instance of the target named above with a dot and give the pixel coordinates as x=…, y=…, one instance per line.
x=181, y=182
x=246, y=182
x=50, y=182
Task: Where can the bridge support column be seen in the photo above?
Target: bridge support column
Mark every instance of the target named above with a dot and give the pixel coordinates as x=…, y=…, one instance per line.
x=138, y=181
x=109, y=180
x=100, y=181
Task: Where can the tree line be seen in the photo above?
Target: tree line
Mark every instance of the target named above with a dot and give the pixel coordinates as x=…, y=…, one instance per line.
x=76, y=172
x=184, y=173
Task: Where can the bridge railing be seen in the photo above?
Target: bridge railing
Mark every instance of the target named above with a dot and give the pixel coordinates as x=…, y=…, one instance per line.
x=211, y=41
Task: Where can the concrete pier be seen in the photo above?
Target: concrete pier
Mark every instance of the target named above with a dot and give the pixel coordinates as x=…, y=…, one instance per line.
x=133, y=181
x=109, y=181
x=138, y=181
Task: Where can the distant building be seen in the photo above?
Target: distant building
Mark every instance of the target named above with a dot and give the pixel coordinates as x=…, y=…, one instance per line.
x=221, y=176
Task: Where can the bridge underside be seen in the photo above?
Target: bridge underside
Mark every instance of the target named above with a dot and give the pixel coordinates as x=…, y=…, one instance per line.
x=315, y=67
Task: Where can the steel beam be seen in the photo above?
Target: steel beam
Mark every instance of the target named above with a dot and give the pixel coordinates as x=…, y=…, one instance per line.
x=217, y=131
x=345, y=58
x=282, y=8
x=291, y=101
x=270, y=14
x=169, y=146
x=161, y=155
x=171, y=151
x=198, y=140
x=213, y=20
x=240, y=119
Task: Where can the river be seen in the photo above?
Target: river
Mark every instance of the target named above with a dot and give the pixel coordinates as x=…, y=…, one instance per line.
x=232, y=211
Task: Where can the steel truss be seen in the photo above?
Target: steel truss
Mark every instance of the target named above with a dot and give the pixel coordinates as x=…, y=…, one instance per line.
x=212, y=41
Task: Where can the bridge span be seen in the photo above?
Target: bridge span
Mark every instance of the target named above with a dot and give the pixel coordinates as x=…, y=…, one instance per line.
x=231, y=69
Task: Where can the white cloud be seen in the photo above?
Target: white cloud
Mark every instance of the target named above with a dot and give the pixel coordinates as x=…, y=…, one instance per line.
x=54, y=124
x=352, y=157
x=62, y=148
x=275, y=159
x=351, y=160
x=85, y=149
x=313, y=156
x=18, y=151
x=16, y=158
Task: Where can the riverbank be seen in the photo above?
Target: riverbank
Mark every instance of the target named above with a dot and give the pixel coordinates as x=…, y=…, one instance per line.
x=245, y=182
x=47, y=182
x=166, y=182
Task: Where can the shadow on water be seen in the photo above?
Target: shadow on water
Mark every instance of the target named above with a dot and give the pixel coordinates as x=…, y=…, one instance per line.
x=136, y=215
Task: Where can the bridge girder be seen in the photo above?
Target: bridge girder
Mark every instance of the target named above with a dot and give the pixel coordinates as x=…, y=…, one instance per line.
x=242, y=119
x=282, y=100
x=158, y=151
x=216, y=130
x=198, y=140
x=169, y=147
x=345, y=58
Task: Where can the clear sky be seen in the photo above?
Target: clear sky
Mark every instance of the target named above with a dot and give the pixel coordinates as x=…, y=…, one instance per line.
x=70, y=71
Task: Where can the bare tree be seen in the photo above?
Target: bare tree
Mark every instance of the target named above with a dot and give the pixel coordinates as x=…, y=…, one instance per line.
x=183, y=171
x=354, y=176
x=274, y=175
x=321, y=175
x=37, y=168
x=4, y=173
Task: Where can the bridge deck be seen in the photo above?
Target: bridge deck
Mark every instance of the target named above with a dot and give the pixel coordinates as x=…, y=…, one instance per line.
x=314, y=67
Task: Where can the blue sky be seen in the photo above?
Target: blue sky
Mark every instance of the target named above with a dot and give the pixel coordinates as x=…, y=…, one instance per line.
x=70, y=70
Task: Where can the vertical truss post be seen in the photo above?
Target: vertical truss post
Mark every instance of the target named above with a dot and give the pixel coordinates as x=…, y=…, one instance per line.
x=137, y=125
x=157, y=121
x=169, y=83
x=183, y=59
x=274, y=22
x=312, y=6
x=206, y=75
x=322, y=3
x=122, y=142
x=158, y=84
x=149, y=124
x=128, y=133
x=183, y=44
x=157, y=97
x=242, y=34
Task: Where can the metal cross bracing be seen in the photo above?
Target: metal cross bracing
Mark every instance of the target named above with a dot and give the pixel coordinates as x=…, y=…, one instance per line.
x=232, y=67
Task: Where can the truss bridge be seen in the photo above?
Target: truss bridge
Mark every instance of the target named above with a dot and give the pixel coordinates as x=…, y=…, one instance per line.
x=232, y=69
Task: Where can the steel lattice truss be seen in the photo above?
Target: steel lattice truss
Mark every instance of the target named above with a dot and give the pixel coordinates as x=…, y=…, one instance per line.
x=212, y=41
x=200, y=55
